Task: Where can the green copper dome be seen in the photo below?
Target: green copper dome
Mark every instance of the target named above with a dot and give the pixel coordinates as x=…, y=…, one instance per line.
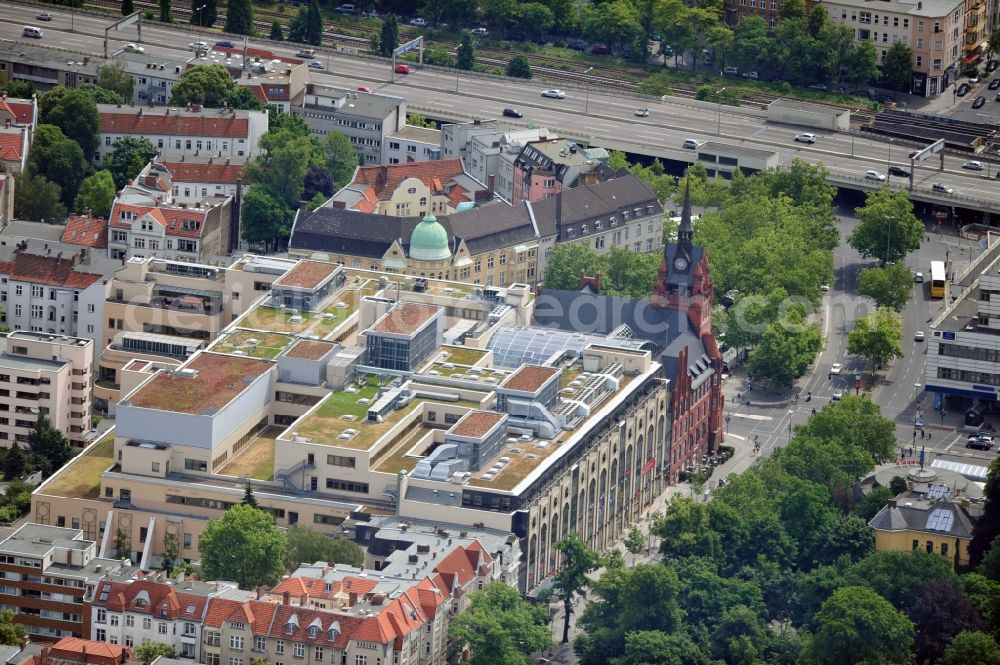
x=429, y=241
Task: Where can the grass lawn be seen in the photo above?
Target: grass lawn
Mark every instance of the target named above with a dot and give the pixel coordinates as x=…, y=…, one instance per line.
x=268, y=344
x=257, y=461
x=459, y=355
x=82, y=477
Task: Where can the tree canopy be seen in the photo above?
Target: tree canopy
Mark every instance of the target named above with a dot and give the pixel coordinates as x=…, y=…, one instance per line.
x=501, y=628
x=97, y=194
x=889, y=287
x=244, y=545
x=887, y=229
x=877, y=336
x=308, y=546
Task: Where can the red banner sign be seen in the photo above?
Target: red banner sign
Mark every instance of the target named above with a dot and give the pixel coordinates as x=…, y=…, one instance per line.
x=649, y=465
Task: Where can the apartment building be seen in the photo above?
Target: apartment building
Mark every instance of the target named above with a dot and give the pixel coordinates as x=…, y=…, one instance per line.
x=544, y=168
x=344, y=392
x=129, y=611
x=18, y=118
x=410, y=189
x=413, y=144
x=154, y=75
x=482, y=155
x=49, y=573
x=146, y=220
x=76, y=651
x=86, y=232
x=54, y=288
x=44, y=374
x=46, y=68
x=769, y=10
x=196, y=179
x=931, y=519
x=176, y=132
x=367, y=119
x=935, y=30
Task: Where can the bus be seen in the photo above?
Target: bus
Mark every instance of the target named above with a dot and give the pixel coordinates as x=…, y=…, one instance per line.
x=937, y=279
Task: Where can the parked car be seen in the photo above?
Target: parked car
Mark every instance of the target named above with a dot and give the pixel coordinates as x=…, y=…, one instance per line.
x=315, y=65
x=973, y=165
x=512, y=113
x=419, y=22
x=306, y=53
x=600, y=49
x=347, y=8
x=481, y=32
x=642, y=113
x=899, y=171
x=979, y=443
x=133, y=48
x=225, y=43
x=554, y=93
x=978, y=102
x=401, y=69
x=731, y=71
x=918, y=336
x=577, y=44
x=994, y=84
x=44, y=16
x=872, y=174
x=997, y=98
x=806, y=137
x=943, y=188
x=962, y=90
x=992, y=65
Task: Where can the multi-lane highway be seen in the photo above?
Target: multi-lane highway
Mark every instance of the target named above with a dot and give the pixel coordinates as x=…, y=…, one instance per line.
x=590, y=114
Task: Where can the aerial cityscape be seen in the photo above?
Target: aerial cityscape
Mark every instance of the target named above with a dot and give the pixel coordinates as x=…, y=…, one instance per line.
x=598, y=332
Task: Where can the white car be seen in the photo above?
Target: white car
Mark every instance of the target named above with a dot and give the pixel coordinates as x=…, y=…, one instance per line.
x=872, y=174
x=554, y=93
x=198, y=46
x=642, y=113
x=973, y=165
x=419, y=22
x=134, y=48
x=837, y=395
x=807, y=137
x=943, y=188
x=918, y=336
x=836, y=368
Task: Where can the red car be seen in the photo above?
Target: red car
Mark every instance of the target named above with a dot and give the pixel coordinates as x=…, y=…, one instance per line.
x=364, y=88
x=402, y=69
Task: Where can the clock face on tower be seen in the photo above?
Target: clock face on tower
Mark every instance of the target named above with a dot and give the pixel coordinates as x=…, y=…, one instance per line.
x=680, y=263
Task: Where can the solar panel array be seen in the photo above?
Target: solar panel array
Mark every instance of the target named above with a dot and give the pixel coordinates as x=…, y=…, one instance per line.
x=940, y=519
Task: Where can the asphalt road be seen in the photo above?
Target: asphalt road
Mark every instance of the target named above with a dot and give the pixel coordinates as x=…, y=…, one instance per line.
x=594, y=114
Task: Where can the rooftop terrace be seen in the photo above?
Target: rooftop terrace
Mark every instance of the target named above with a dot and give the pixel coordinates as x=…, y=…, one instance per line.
x=252, y=343
x=207, y=383
x=321, y=324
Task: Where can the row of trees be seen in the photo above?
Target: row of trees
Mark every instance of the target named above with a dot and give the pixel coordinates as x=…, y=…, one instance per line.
x=779, y=567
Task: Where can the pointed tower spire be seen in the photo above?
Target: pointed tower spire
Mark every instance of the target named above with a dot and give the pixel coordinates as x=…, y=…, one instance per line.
x=685, y=232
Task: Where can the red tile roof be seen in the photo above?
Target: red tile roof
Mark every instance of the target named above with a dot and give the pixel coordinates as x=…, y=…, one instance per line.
x=158, y=596
x=49, y=270
x=171, y=218
x=23, y=110
x=257, y=53
x=206, y=123
x=86, y=231
x=89, y=651
x=386, y=178
x=405, y=319
x=11, y=144
x=213, y=172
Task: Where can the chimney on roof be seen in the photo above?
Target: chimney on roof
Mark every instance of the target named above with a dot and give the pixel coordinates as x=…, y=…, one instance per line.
x=286, y=598
x=892, y=503
x=340, y=204
x=352, y=599
x=227, y=161
x=490, y=180
x=140, y=111
x=304, y=207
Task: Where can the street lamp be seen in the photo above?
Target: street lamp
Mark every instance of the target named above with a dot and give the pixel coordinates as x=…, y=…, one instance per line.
x=888, y=158
x=586, y=107
x=718, y=97
x=790, y=413
x=197, y=16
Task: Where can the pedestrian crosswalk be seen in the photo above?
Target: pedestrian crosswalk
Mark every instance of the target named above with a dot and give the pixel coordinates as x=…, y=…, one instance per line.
x=750, y=416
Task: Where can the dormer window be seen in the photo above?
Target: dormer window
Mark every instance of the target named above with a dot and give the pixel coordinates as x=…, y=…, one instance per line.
x=583, y=229
x=598, y=225
x=313, y=632
x=292, y=625
x=625, y=214
x=127, y=215
x=613, y=221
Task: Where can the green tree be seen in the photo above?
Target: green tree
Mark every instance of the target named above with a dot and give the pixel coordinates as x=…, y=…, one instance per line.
x=297, y=27
x=128, y=156
x=242, y=97
x=17, y=89
x=942, y=612
x=571, y=580
x=37, y=199
x=566, y=263
x=314, y=24
x=388, y=36
x=11, y=633
x=239, y=17
x=282, y=165
x=985, y=595
x=684, y=530
x=466, y=54
x=518, y=67
x=856, y=625
x=208, y=85
x=501, y=628
x=49, y=448
x=127, y=8
x=265, y=217
x=655, y=647
x=534, y=19
x=245, y=546
x=887, y=230
x=308, y=546
x=59, y=159
x=75, y=113
x=101, y=95
x=634, y=542
x=147, y=652
x=902, y=577
x=613, y=22
x=277, y=33
x=339, y=158
x=861, y=64
x=877, y=336
x=206, y=14
x=874, y=501
x=113, y=77
x=857, y=427
x=987, y=527
x=971, y=648
x=97, y=194
x=171, y=550
x=787, y=349
x=993, y=43
x=166, y=11
x=889, y=287
x=990, y=565
x=248, y=498
x=751, y=43
x=15, y=463
x=897, y=67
